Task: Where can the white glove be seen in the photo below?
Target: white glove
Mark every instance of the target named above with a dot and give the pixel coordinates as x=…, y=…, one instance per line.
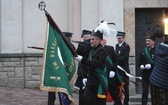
x=142, y=67
x=148, y=66
x=79, y=58
x=84, y=81
x=111, y=74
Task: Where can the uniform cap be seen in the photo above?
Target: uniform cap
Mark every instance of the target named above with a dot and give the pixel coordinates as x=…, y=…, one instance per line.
x=150, y=35
x=120, y=34
x=86, y=32
x=67, y=34
x=98, y=34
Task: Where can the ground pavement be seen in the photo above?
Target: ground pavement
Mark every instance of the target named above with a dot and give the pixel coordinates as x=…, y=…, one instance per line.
x=19, y=96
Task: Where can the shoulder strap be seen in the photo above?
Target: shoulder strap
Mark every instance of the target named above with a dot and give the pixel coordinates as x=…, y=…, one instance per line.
x=103, y=85
x=148, y=56
x=109, y=60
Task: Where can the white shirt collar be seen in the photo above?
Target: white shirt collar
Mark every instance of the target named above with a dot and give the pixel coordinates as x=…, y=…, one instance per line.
x=151, y=48
x=120, y=44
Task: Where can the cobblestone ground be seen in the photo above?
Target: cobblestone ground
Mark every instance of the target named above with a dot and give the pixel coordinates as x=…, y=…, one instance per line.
x=17, y=96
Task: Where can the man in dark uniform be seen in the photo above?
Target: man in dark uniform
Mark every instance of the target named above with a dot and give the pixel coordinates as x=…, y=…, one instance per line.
x=51, y=95
x=146, y=64
x=122, y=50
x=113, y=87
x=96, y=86
x=83, y=49
x=68, y=35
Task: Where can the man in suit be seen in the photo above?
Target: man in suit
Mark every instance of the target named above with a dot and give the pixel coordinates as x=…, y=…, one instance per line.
x=122, y=50
x=83, y=49
x=96, y=86
x=146, y=64
x=113, y=87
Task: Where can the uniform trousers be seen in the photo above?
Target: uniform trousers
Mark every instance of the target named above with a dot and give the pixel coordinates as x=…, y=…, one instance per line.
x=81, y=91
x=114, y=91
x=126, y=90
x=51, y=98
x=145, y=88
x=90, y=96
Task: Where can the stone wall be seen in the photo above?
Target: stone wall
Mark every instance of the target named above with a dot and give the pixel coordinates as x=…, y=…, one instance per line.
x=24, y=70
x=132, y=87
x=20, y=70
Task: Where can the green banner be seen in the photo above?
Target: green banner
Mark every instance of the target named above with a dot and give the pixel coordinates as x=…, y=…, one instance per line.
x=58, y=64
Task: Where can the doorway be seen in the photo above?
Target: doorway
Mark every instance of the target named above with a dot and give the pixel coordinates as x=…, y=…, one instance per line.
x=146, y=19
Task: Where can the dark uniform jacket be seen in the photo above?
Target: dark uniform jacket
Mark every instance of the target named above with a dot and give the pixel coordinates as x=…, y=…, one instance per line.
x=109, y=50
x=98, y=60
x=143, y=60
x=123, y=57
x=83, y=49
